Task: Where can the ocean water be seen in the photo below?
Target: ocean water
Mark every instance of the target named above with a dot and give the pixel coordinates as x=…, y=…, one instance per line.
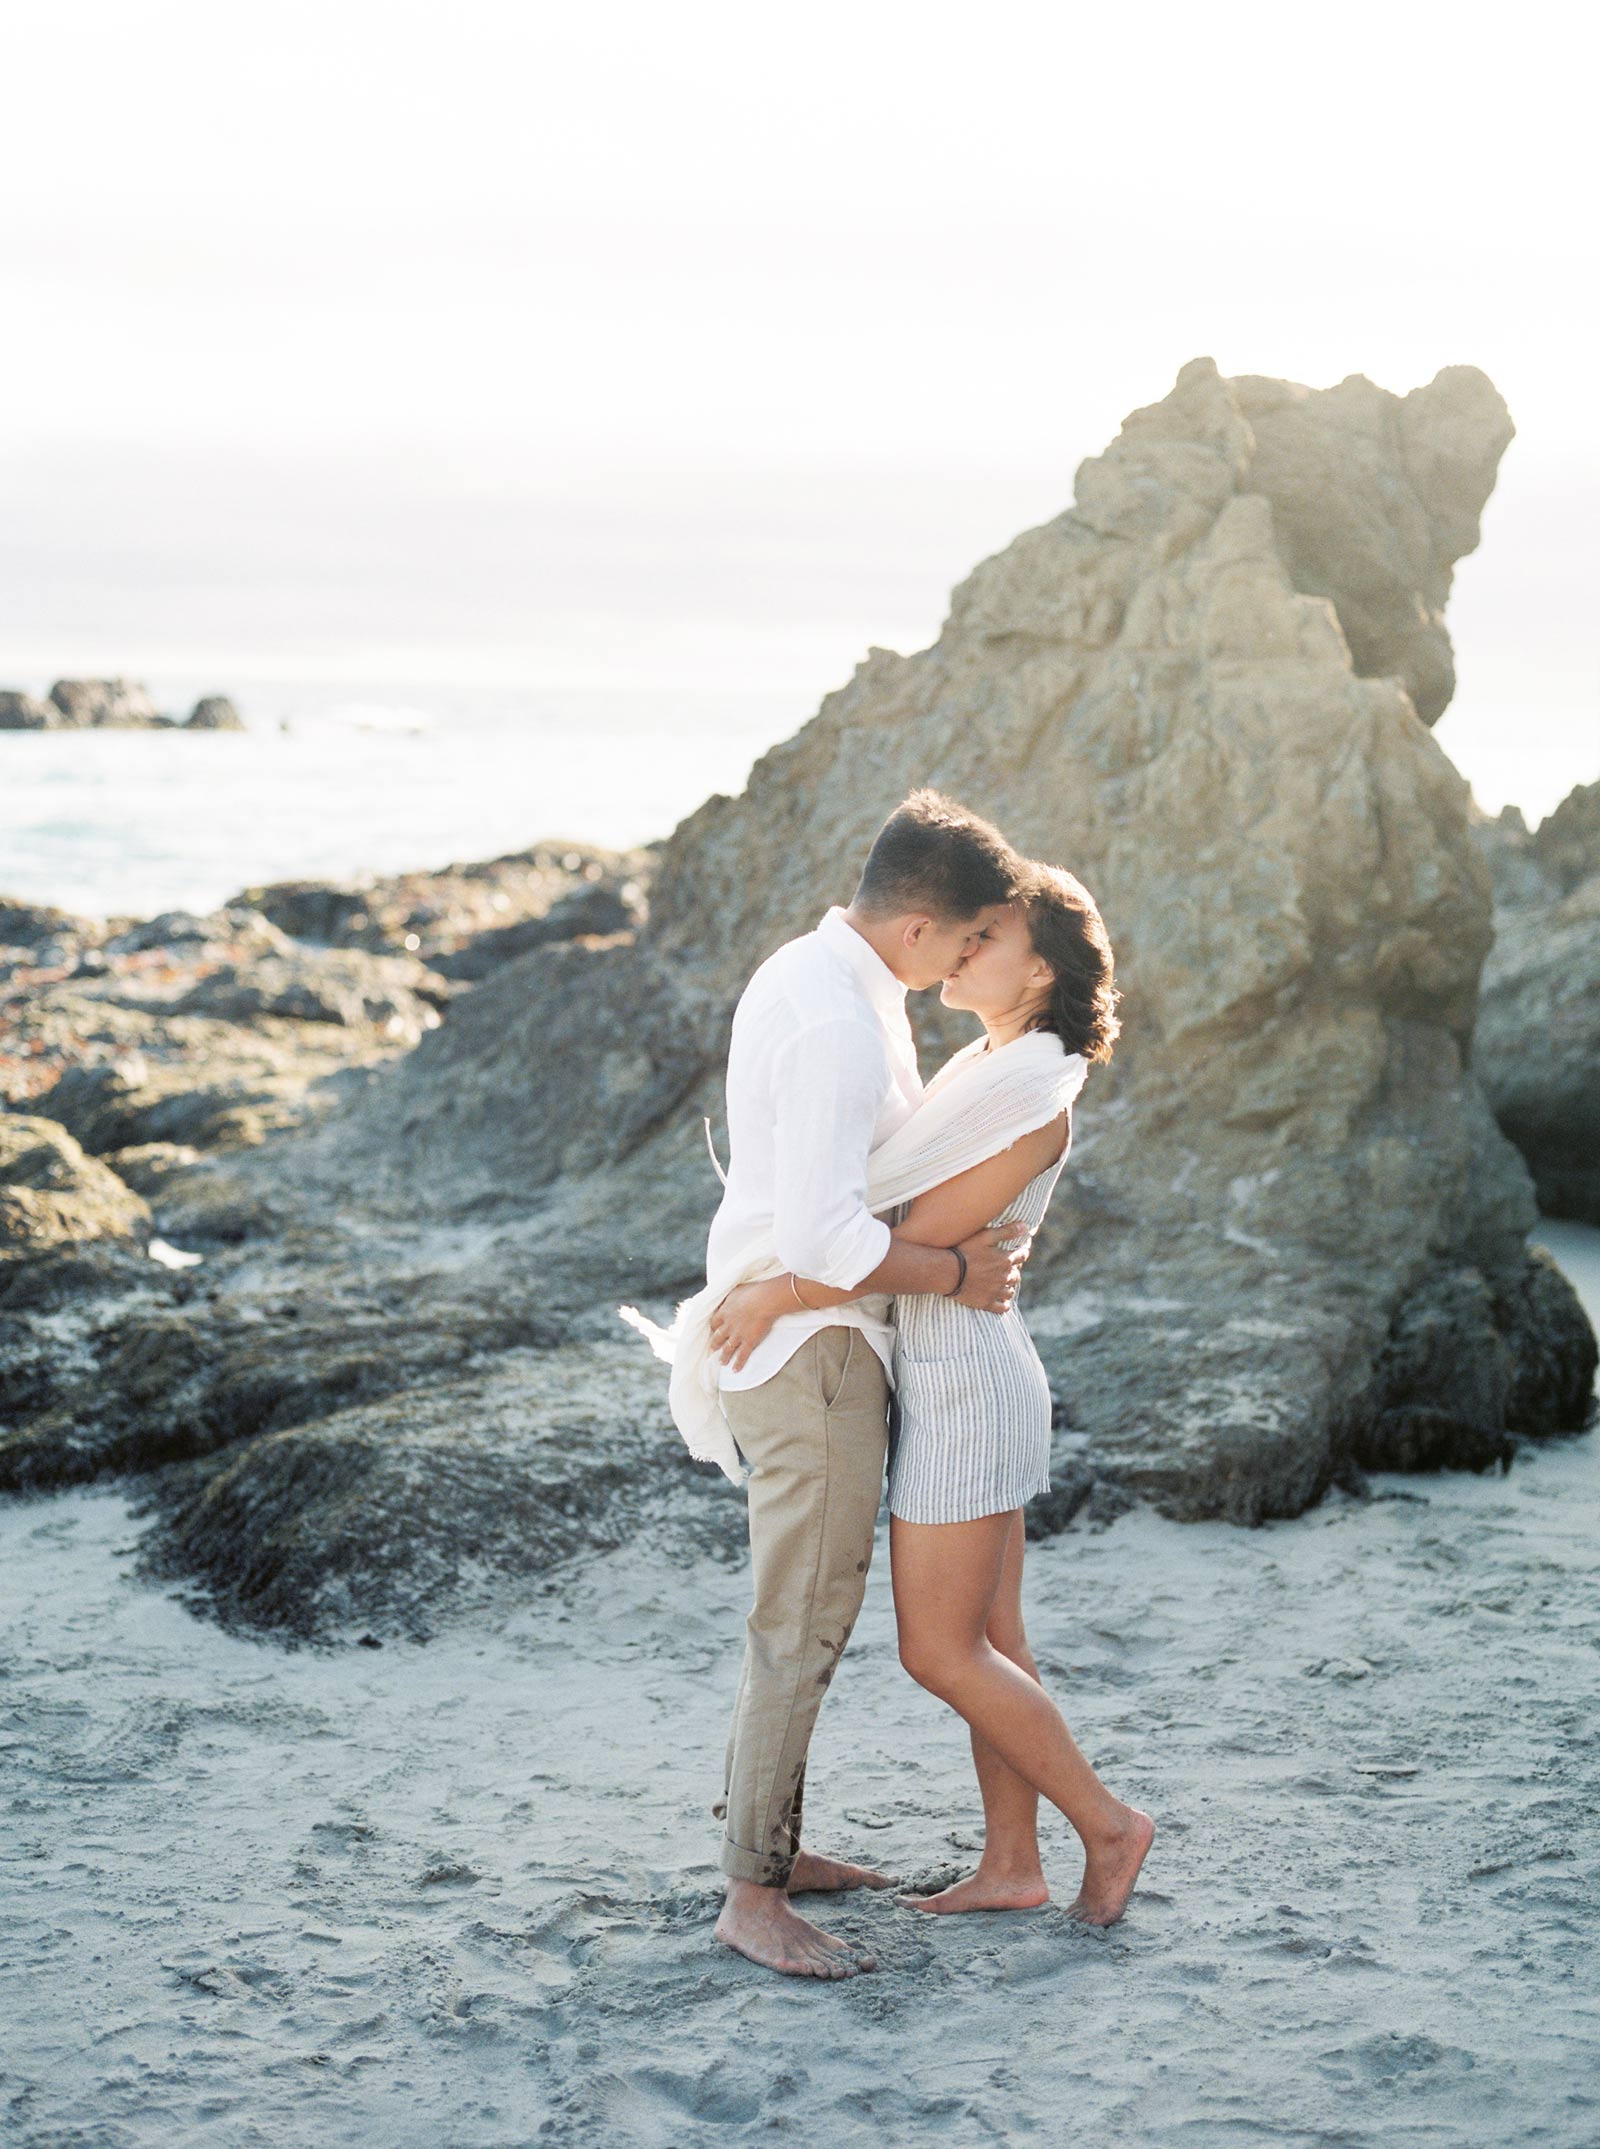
x=330, y=781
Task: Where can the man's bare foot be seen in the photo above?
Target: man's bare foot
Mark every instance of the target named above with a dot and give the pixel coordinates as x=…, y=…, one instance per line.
x=759, y=1924
x=814, y=1875
x=1110, y=1868
x=986, y=1891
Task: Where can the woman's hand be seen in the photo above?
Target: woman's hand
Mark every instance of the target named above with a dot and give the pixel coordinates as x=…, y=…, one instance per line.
x=741, y=1322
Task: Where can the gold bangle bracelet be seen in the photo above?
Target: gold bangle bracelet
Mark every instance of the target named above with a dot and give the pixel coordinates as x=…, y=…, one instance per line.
x=795, y=1288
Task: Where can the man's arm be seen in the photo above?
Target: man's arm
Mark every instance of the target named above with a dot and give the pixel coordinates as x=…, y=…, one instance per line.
x=994, y=1265
x=919, y=1257
x=827, y=1088
x=954, y=1213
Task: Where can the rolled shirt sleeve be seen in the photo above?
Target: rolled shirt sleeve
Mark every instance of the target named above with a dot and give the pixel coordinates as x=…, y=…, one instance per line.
x=828, y=1086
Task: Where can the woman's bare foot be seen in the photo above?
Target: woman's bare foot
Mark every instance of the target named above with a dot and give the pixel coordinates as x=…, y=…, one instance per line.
x=1111, y=1866
x=987, y=1889
x=758, y=1923
x=814, y=1875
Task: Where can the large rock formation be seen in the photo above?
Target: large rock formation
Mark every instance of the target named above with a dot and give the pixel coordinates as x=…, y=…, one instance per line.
x=1537, y=1045
x=1288, y=1153
x=1374, y=499
x=1292, y=1241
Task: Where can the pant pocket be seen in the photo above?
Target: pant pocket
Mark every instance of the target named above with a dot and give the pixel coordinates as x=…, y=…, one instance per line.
x=832, y=1388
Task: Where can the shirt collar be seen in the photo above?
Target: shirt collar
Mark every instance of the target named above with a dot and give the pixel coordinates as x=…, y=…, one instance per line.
x=882, y=987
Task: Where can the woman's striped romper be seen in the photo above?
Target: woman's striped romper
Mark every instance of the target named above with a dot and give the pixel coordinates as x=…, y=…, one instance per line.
x=970, y=1424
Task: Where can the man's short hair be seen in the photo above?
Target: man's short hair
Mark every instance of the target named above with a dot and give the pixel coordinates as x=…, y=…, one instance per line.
x=934, y=856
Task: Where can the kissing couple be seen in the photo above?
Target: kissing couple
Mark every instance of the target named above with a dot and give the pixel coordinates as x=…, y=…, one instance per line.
x=869, y=1244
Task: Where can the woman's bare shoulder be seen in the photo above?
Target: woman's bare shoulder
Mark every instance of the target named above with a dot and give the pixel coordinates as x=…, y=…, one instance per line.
x=1047, y=1145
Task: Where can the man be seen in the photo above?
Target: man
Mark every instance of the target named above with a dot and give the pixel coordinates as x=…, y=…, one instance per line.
x=821, y=1069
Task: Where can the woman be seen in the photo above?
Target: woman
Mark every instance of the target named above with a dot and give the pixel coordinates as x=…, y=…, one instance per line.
x=972, y=1426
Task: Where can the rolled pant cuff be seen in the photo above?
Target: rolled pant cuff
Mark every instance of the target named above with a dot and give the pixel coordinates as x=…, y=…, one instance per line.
x=766, y=1868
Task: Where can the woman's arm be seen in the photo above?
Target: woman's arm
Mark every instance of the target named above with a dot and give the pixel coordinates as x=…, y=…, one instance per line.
x=945, y=1216
x=951, y=1212
x=954, y=1211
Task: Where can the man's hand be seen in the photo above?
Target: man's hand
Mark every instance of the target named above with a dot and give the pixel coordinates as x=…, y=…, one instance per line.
x=740, y=1323
x=994, y=1266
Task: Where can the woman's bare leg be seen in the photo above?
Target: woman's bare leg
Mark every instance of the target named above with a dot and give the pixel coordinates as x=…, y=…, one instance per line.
x=1009, y=1875
x=946, y=1580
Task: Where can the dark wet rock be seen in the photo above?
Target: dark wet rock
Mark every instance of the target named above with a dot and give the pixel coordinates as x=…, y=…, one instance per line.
x=206, y=1031
x=95, y=1102
x=346, y=986
x=1553, y=1352
x=126, y=1103
x=1444, y=1380
x=77, y=1275
x=1536, y=1049
x=391, y=1516
x=207, y=1207
x=214, y=712
x=588, y=913
x=326, y=911
x=1072, y=1485
x=148, y=1167
x=185, y=931
x=184, y=1367
x=36, y=925
x=440, y=916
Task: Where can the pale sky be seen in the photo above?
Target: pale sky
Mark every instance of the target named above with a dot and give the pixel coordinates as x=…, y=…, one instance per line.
x=718, y=342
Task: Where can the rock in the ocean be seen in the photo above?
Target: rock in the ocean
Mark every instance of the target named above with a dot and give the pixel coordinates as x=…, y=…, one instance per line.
x=91, y=704
x=26, y=712
x=81, y=703
x=1537, y=1045
x=214, y=712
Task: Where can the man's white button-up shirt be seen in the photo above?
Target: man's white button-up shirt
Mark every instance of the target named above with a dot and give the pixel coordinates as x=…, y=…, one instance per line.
x=822, y=1067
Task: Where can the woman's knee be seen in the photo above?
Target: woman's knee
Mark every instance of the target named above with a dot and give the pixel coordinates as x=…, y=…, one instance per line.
x=936, y=1661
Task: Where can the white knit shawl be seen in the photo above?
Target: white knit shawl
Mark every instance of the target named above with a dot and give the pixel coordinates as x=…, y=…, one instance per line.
x=978, y=1103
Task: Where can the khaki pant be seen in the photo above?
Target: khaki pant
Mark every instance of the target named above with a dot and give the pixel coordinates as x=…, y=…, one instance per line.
x=814, y=1436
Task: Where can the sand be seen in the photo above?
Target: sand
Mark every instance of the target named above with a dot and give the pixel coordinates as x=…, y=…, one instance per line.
x=459, y=1896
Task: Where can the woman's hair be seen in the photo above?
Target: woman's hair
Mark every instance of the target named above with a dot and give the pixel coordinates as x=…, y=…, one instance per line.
x=1067, y=930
